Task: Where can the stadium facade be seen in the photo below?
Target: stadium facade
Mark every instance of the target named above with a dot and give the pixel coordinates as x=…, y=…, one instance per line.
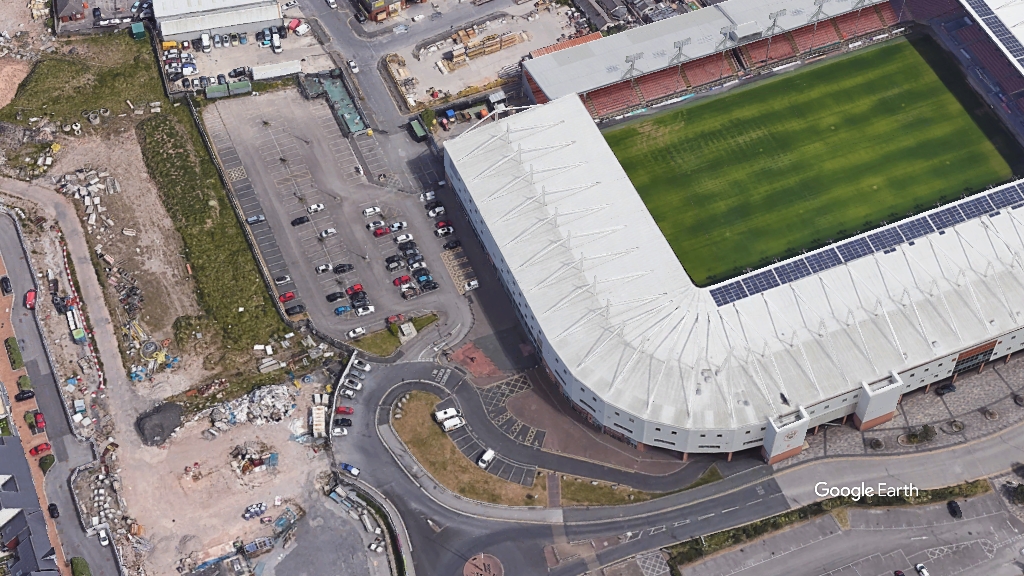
x=833, y=335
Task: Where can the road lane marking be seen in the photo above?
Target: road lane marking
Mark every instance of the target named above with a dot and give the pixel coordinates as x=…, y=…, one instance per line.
x=755, y=501
x=730, y=509
x=705, y=516
x=657, y=530
x=680, y=523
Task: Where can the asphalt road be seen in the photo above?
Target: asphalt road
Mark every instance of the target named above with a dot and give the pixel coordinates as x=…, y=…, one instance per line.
x=69, y=452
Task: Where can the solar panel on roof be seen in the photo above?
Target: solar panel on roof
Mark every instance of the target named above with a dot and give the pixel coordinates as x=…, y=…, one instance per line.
x=946, y=217
x=823, y=260
x=885, y=238
x=729, y=293
x=916, y=228
x=854, y=249
x=760, y=282
x=976, y=207
x=791, y=271
x=1005, y=197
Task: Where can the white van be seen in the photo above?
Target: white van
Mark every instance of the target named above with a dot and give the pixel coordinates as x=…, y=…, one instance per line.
x=275, y=44
x=442, y=415
x=452, y=424
x=486, y=458
x=471, y=285
x=205, y=41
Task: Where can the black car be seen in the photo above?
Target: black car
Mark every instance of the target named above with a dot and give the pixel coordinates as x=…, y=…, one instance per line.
x=300, y=220
x=393, y=259
x=954, y=509
x=360, y=295
x=222, y=79
x=52, y=509
x=97, y=14
x=283, y=32
x=360, y=302
x=175, y=77
x=415, y=259
x=334, y=296
x=259, y=36
x=452, y=244
x=237, y=73
x=945, y=389
x=24, y=395
x=342, y=421
x=428, y=286
x=293, y=310
x=407, y=245
x=432, y=205
x=343, y=268
x=5, y=285
x=204, y=81
x=360, y=17
x=186, y=83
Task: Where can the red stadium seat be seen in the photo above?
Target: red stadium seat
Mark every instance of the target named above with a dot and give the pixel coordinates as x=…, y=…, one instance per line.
x=859, y=23
x=660, y=84
x=708, y=69
x=614, y=98
x=768, y=51
x=887, y=14
x=811, y=37
x=925, y=10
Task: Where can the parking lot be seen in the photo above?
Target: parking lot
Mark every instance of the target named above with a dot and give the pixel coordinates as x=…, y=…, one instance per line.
x=501, y=467
x=283, y=154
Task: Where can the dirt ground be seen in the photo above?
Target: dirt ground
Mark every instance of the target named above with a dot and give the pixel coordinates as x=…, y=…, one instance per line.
x=12, y=72
x=154, y=254
x=181, y=516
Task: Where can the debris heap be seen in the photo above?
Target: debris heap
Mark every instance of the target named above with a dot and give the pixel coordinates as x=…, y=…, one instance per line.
x=263, y=405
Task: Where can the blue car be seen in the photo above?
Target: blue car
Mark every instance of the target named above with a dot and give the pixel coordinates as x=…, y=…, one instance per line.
x=342, y=309
x=350, y=469
x=424, y=278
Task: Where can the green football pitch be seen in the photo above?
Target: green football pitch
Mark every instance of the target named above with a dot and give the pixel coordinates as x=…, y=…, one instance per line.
x=792, y=163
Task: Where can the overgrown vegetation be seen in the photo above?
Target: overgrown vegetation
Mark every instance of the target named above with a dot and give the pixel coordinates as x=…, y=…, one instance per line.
x=14, y=353
x=228, y=286
x=5, y=426
x=24, y=383
x=79, y=567
x=583, y=492
x=692, y=550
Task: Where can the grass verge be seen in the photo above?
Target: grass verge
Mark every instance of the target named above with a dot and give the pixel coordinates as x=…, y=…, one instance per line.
x=712, y=474
x=24, y=383
x=692, y=550
x=79, y=567
x=385, y=342
x=583, y=492
x=14, y=353
x=47, y=462
x=439, y=456
x=805, y=159
x=5, y=426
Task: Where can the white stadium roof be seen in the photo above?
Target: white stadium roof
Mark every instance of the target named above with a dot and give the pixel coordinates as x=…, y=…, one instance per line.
x=676, y=40
x=1001, y=19
x=621, y=313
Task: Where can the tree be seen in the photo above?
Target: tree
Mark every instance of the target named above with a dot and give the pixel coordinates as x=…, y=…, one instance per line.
x=429, y=118
x=1018, y=494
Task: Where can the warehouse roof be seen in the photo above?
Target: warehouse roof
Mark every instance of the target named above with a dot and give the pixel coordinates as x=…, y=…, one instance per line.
x=613, y=301
x=204, y=21
x=675, y=40
x=1001, y=19
x=165, y=8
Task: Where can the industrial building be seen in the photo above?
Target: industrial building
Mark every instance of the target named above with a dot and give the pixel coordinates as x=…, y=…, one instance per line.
x=834, y=335
x=25, y=546
x=187, y=19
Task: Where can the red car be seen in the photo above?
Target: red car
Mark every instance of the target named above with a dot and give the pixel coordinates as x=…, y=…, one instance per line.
x=40, y=422
x=353, y=289
x=44, y=447
x=443, y=223
x=286, y=297
x=343, y=410
x=396, y=319
x=30, y=299
x=401, y=280
x=381, y=232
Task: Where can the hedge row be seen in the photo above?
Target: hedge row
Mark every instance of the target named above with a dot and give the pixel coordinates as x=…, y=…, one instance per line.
x=14, y=353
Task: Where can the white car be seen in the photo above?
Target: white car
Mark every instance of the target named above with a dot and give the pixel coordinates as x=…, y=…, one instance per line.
x=371, y=211
x=361, y=365
x=439, y=211
x=347, y=393
x=332, y=4
x=921, y=570
x=376, y=224
x=339, y=431
x=314, y=208
x=396, y=226
x=471, y=285
x=442, y=232
x=323, y=268
x=417, y=266
x=403, y=238
x=365, y=310
x=353, y=66
x=328, y=232
x=104, y=540
x=356, y=332
x=426, y=197
x=352, y=384
x=289, y=4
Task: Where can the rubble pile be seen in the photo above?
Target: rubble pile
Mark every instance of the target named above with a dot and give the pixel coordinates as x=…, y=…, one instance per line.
x=261, y=406
x=90, y=186
x=253, y=456
x=21, y=45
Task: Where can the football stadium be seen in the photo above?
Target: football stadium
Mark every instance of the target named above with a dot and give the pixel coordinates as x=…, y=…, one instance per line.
x=793, y=217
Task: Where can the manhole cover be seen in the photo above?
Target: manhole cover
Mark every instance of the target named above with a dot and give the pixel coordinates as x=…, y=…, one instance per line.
x=483, y=565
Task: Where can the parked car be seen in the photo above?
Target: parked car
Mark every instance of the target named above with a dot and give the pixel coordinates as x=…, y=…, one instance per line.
x=352, y=470
x=396, y=226
x=393, y=258
x=323, y=268
x=364, y=311
x=432, y=205
x=352, y=385
x=439, y=211
x=442, y=232
x=921, y=570
x=417, y=265
x=346, y=410
x=452, y=244
x=40, y=422
x=300, y=220
x=243, y=38
x=222, y=79
x=5, y=285
x=401, y=280
x=381, y=232
x=426, y=196
x=357, y=374
x=44, y=447
x=428, y=286
x=356, y=332
x=358, y=301
x=24, y=395
x=30, y=299
x=471, y=285
x=362, y=365
x=314, y=208
x=295, y=310
x=345, y=392
x=234, y=39
x=403, y=238
x=343, y=268
x=954, y=509
x=342, y=421
x=286, y=297
x=282, y=280
x=186, y=83
x=289, y=4
x=104, y=539
x=335, y=296
x=945, y=389
x=204, y=81
x=360, y=17
x=52, y=509
x=342, y=309
x=96, y=14
x=216, y=41
x=406, y=245
x=410, y=252
x=353, y=289
x=392, y=266
x=257, y=219
x=414, y=259
x=358, y=297
x=328, y=232
x=135, y=7
x=376, y=224
x=239, y=72
x=353, y=66
x=367, y=212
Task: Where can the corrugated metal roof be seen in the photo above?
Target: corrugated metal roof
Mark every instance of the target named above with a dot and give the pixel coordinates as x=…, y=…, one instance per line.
x=567, y=44
x=214, y=20
x=268, y=71
x=675, y=40
x=616, y=306
x=165, y=8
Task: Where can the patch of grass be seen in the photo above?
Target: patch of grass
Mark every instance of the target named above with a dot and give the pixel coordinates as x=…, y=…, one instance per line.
x=385, y=342
x=79, y=567
x=271, y=85
x=24, y=383
x=712, y=474
x=109, y=69
x=692, y=550
x=439, y=456
x=581, y=492
x=5, y=426
x=421, y=322
x=810, y=157
x=47, y=462
x=14, y=353
x=223, y=267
